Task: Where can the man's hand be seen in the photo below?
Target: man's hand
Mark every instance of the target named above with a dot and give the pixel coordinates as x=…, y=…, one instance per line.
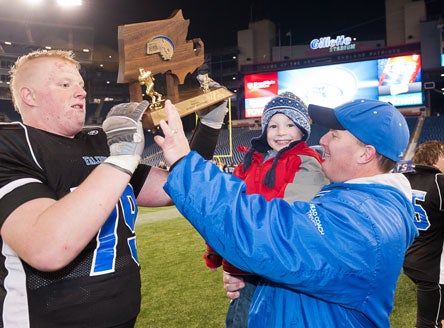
x=175, y=143
x=123, y=128
x=232, y=284
x=214, y=115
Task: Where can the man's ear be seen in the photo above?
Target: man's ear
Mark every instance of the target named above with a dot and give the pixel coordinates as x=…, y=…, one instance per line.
x=28, y=96
x=367, y=155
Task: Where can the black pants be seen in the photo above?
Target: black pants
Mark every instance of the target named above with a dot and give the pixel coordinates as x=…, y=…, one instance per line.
x=129, y=324
x=430, y=304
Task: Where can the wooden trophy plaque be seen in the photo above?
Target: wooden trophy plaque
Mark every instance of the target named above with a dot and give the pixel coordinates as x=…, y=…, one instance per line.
x=147, y=49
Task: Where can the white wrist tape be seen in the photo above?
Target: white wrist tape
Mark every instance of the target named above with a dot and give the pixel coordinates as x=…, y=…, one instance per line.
x=214, y=116
x=126, y=163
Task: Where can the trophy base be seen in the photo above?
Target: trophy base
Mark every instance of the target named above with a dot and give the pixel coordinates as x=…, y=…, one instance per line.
x=151, y=118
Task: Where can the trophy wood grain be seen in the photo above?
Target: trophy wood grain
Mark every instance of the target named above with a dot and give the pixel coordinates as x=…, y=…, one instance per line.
x=151, y=119
x=140, y=47
x=133, y=39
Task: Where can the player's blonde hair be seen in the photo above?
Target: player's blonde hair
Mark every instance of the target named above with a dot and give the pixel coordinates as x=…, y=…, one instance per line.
x=15, y=71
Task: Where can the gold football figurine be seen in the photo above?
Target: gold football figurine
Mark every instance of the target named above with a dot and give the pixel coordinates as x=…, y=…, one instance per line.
x=146, y=78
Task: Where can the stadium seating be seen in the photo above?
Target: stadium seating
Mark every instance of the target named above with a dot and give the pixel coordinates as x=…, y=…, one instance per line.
x=241, y=138
x=7, y=112
x=412, y=122
x=232, y=145
x=227, y=152
x=432, y=129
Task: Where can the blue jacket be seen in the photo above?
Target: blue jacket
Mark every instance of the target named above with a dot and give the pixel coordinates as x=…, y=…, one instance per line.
x=336, y=264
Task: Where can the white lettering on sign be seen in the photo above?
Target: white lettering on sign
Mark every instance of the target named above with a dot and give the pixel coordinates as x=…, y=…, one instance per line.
x=260, y=85
x=327, y=42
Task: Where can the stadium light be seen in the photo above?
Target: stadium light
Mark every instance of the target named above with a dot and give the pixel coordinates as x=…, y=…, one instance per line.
x=34, y=2
x=69, y=3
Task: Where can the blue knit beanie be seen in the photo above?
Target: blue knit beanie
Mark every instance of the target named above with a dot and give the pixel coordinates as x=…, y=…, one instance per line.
x=293, y=107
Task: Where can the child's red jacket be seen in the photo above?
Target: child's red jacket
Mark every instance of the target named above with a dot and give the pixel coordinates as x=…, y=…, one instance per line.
x=299, y=176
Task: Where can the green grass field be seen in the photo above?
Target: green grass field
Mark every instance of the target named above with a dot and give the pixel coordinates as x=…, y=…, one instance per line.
x=178, y=290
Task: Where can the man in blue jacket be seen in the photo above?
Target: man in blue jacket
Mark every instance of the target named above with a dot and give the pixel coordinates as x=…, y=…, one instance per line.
x=336, y=264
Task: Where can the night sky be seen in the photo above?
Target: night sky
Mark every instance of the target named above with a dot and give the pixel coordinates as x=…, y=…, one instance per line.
x=217, y=22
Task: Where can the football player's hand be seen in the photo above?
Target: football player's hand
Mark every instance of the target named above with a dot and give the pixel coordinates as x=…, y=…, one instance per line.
x=204, y=79
x=124, y=132
x=214, y=115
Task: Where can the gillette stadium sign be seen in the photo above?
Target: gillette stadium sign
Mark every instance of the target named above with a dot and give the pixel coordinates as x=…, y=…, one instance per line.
x=341, y=43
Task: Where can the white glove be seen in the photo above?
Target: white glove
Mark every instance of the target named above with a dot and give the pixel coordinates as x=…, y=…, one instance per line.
x=123, y=128
x=202, y=78
x=214, y=115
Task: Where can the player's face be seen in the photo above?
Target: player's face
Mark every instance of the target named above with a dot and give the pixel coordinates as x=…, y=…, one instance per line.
x=341, y=155
x=59, y=96
x=281, y=131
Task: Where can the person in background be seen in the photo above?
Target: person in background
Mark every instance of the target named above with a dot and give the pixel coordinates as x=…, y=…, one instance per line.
x=278, y=164
x=330, y=262
x=424, y=260
x=69, y=198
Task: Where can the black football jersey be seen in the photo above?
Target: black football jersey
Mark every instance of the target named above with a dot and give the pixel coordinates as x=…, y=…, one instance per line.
x=424, y=259
x=101, y=287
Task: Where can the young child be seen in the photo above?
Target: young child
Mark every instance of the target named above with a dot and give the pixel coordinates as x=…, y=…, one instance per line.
x=279, y=164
